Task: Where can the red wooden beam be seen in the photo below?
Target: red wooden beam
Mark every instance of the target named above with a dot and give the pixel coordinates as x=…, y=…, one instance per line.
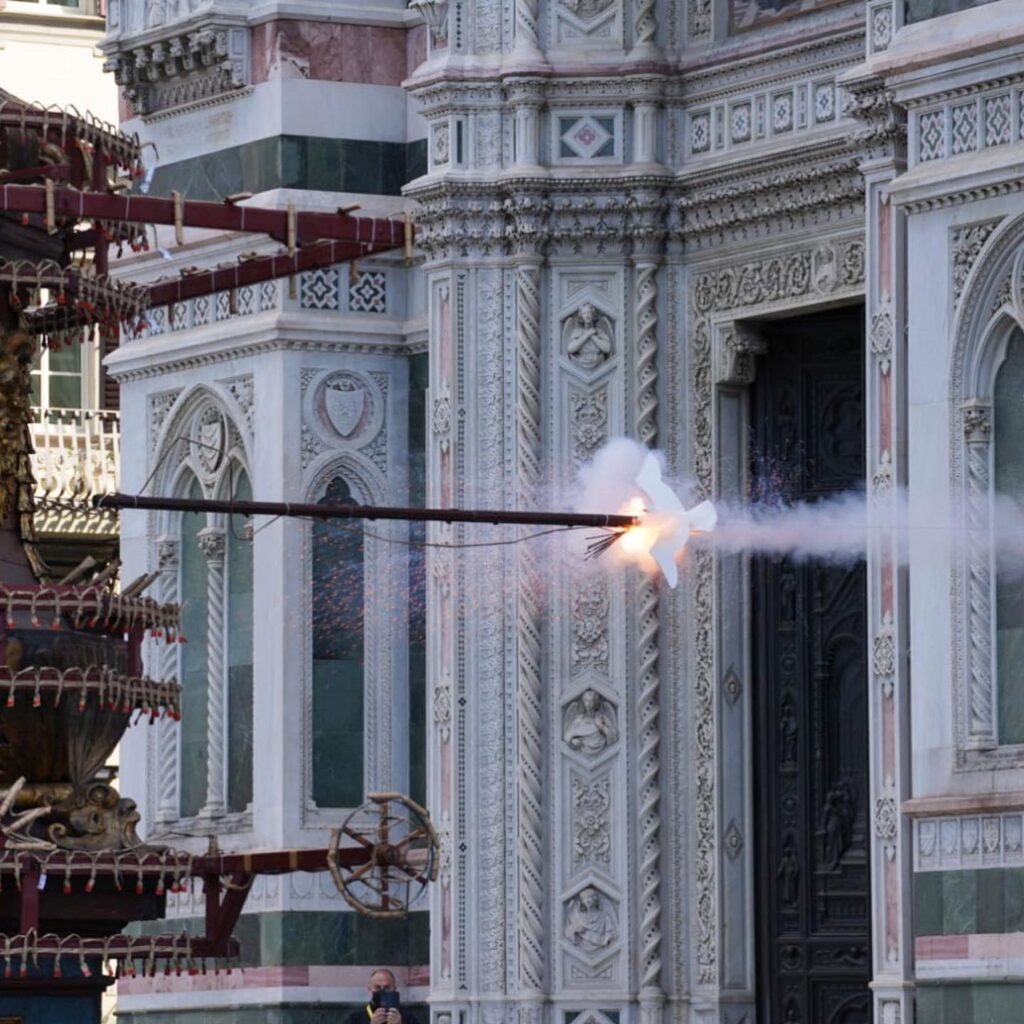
x=257, y=269
x=275, y=862
x=379, y=233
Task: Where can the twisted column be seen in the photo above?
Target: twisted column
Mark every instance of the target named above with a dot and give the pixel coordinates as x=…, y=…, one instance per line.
x=649, y=783
x=647, y=352
x=168, y=560
x=977, y=434
x=212, y=542
x=646, y=23
x=527, y=29
x=529, y=665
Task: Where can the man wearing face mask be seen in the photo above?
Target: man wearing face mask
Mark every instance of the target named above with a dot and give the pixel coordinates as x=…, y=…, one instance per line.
x=383, y=1007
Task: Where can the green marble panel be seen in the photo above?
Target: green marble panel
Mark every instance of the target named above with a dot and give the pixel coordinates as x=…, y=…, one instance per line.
x=991, y=902
x=979, y=901
x=959, y=902
x=972, y=1002
x=299, y=938
x=295, y=161
x=928, y=903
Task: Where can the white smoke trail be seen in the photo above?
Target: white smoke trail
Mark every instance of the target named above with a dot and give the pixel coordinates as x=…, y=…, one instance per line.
x=839, y=529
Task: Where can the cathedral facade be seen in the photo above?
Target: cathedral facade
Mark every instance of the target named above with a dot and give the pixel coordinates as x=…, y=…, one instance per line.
x=780, y=241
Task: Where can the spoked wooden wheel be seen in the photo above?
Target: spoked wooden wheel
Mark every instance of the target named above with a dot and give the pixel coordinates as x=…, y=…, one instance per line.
x=388, y=857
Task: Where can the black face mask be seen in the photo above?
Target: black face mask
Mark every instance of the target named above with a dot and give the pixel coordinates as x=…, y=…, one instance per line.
x=387, y=1000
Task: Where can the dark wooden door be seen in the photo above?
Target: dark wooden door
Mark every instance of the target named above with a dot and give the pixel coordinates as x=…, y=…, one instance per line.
x=810, y=687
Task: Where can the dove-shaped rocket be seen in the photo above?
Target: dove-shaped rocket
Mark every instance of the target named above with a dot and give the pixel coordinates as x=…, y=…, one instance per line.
x=665, y=526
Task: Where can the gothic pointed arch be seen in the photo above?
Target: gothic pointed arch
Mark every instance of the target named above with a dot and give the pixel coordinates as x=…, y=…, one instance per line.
x=349, y=630
x=986, y=435
x=207, y=563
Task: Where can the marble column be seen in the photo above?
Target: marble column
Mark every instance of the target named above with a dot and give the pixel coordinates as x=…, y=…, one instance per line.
x=212, y=542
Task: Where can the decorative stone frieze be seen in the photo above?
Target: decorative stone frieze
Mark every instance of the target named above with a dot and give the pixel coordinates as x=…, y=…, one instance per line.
x=207, y=62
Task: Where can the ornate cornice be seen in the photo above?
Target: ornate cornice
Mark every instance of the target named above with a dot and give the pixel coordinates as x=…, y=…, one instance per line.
x=721, y=79
x=737, y=203
x=557, y=216
x=884, y=121
x=244, y=350
x=186, y=65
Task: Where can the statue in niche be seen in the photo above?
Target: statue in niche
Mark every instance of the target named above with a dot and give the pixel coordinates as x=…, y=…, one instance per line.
x=837, y=823
x=590, y=724
x=789, y=873
x=787, y=596
x=589, y=925
x=788, y=727
x=589, y=336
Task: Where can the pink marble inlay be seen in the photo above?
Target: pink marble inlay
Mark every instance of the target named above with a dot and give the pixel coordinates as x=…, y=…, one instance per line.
x=415, y=48
x=369, y=54
x=887, y=587
x=885, y=412
x=942, y=947
x=885, y=249
x=892, y=911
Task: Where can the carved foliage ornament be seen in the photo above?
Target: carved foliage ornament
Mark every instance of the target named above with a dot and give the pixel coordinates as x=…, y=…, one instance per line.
x=591, y=832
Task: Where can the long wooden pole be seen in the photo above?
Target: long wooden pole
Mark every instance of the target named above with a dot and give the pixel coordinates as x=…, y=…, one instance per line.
x=306, y=511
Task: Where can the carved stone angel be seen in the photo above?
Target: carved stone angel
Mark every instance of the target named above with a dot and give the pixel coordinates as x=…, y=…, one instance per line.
x=589, y=336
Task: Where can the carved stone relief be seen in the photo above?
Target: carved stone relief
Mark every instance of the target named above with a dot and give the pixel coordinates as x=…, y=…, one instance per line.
x=591, y=724
x=588, y=336
x=591, y=824
x=589, y=411
x=591, y=922
x=590, y=19
x=590, y=627
x=967, y=243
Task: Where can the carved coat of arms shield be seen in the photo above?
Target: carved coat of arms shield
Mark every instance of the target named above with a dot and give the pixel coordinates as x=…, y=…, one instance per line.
x=211, y=436
x=344, y=403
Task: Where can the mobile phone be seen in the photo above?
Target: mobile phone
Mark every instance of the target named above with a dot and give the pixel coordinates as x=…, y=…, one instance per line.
x=390, y=1000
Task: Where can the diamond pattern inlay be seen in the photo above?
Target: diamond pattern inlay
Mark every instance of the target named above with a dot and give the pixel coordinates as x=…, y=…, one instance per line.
x=824, y=102
x=700, y=133
x=201, y=310
x=932, y=136
x=368, y=293
x=782, y=113
x=965, y=129
x=740, y=123
x=179, y=316
x=268, y=296
x=587, y=137
x=997, y=120
x=320, y=289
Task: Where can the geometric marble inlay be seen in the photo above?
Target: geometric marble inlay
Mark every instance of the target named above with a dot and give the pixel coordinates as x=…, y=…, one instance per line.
x=367, y=293
x=320, y=289
x=587, y=137
x=931, y=136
